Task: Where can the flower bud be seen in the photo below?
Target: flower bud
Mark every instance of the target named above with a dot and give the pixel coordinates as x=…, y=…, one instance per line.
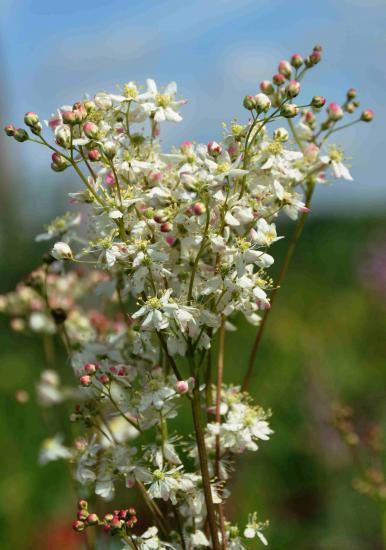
x=214, y=148
x=318, y=101
x=182, y=387
x=280, y=134
x=367, y=115
x=69, y=117
x=91, y=130
x=315, y=57
x=61, y=251
x=335, y=111
x=31, y=119
x=89, y=105
x=85, y=380
x=94, y=155
x=104, y=379
x=263, y=103
x=266, y=87
x=82, y=515
x=109, y=149
x=10, y=130
x=351, y=93
x=92, y=519
x=108, y=518
x=278, y=79
x=103, y=101
x=59, y=163
x=289, y=110
x=311, y=152
x=293, y=88
x=78, y=526
x=309, y=118
x=90, y=368
x=37, y=129
x=116, y=523
x=20, y=135
x=186, y=146
x=249, y=102
x=63, y=136
x=285, y=68
x=82, y=504
x=80, y=111
x=166, y=227
x=296, y=61
x=350, y=107
x=199, y=208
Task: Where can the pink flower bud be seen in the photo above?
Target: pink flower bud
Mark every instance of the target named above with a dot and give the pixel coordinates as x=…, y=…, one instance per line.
x=182, y=387
x=90, y=368
x=155, y=177
x=311, y=152
x=309, y=117
x=289, y=110
x=85, y=380
x=315, y=57
x=199, y=208
x=31, y=119
x=171, y=239
x=91, y=130
x=110, y=179
x=296, y=61
x=82, y=504
x=278, y=79
x=293, y=88
x=214, y=148
x=284, y=68
x=92, y=519
x=166, y=227
x=69, y=117
x=335, y=111
x=186, y=146
x=116, y=523
x=78, y=526
x=94, y=155
x=108, y=518
x=104, y=379
x=10, y=130
x=249, y=102
x=318, y=101
x=367, y=115
x=266, y=87
x=82, y=515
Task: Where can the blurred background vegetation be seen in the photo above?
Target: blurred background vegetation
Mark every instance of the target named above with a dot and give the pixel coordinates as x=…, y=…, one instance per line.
x=325, y=343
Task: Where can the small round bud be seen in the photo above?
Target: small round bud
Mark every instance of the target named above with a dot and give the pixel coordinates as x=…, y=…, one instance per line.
x=90, y=368
x=69, y=117
x=63, y=136
x=186, y=147
x=108, y=518
x=335, y=111
x=78, y=526
x=296, y=61
x=289, y=110
x=214, y=148
x=350, y=107
x=315, y=57
x=59, y=163
x=318, y=101
x=82, y=504
x=92, y=519
x=61, y=251
x=311, y=152
x=31, y=119
x=109, y=149
x=309, y=118
x=166, y=227
x=280, y=134
x=249, y=102
x=116, y=523
x=351, y=93
x=199, y=208
x=10, y=130
x=80, y=111
x=266, y=87
x=278, y=79
x=20, y=135
x=94, y=155
x=284, y=68
x=293, y=88
x=263, y=103
x=104, y=379
x=182, y=387
x=82, y=515
x=367, y=115
x=91, y=130
x=85, y=380
x=160, y=217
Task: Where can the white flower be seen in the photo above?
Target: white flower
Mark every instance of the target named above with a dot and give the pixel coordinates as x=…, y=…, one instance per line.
x=161, y=106
x=52, y=449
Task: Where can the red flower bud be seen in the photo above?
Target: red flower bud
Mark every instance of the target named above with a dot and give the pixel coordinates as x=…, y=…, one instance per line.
x=166, y=227
x=82, y=504
x=94, y=155
x=92, y=519
x=85, y=380
x=296, y=61
x=90, y=368
x=278, y=79
x=78, y=526
x=335, y=111
x=214, y=148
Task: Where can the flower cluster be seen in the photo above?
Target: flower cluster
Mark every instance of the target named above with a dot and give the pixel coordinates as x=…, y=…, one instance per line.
x=178, y=245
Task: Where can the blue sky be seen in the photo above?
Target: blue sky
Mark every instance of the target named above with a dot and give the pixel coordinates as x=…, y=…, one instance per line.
x=217, y=51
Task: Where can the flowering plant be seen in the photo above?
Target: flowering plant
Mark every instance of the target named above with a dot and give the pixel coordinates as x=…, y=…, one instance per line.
x=176, y=246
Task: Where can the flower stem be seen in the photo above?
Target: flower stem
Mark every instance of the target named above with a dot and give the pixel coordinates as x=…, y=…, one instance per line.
x=290, y=251
x=220, y=370
x=203, y=458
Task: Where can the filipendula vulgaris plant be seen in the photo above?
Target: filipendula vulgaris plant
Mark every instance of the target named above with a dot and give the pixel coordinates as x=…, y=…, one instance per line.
x=177, y=245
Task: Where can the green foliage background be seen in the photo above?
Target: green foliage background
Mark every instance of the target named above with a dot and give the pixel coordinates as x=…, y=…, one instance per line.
x=325, y=342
